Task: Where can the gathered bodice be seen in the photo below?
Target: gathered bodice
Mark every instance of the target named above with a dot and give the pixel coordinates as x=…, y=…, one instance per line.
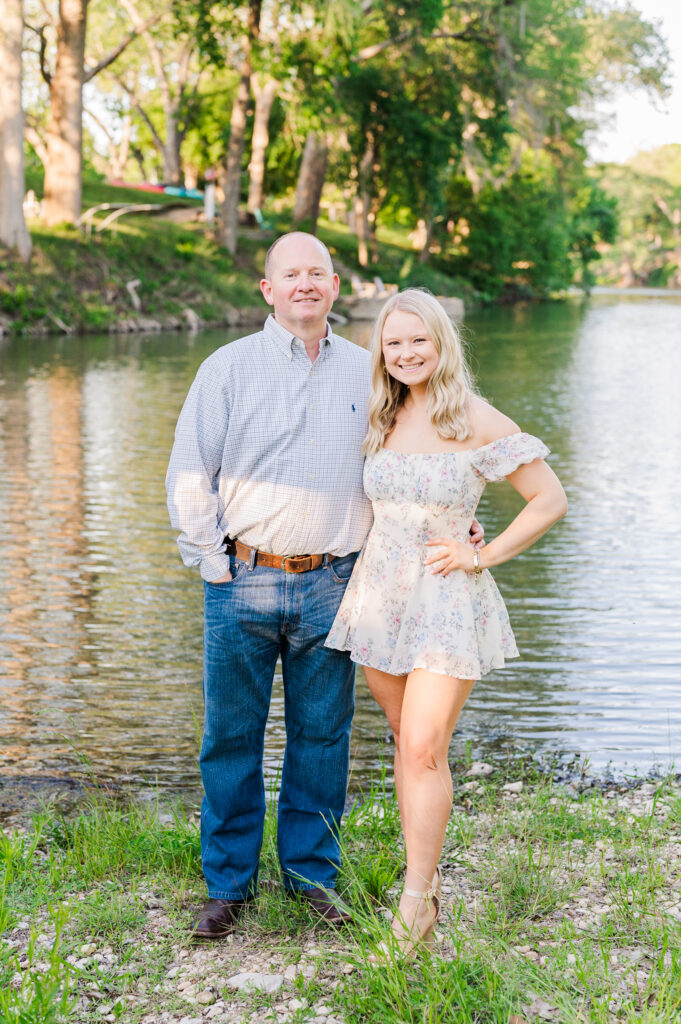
x=416, y=496
x=396, y=615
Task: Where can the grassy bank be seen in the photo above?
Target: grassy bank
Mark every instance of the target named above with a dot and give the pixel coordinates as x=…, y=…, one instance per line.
x=76, y=283
x=559, y=906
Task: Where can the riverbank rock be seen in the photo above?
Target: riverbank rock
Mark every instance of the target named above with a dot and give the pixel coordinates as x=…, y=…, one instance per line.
x=357, y=307
x=269, y=983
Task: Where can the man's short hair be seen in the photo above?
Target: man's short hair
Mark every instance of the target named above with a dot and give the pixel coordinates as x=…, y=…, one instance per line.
x=290, y=234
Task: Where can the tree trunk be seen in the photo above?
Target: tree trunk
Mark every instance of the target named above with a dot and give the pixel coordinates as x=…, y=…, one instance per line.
x=362, y=232
x=13, y=231
x=424, y=255
x=363, y=201
x=118, y=155
x=264, y=98
x=172, y=164
x=229, y=220
x=64, y=171
x=376, y=204
x=310, y=182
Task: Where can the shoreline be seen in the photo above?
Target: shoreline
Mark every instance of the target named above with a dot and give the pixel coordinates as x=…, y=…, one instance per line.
x=21, y=796
x=233, y=317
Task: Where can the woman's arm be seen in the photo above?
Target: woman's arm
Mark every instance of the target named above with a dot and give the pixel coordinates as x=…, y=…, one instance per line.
x=546, y=504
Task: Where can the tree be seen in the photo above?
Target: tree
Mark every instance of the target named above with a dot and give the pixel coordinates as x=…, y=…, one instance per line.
x=265, y=91
x=647, y=191
x=311, y=182
x=64, y=166
x=63, y=148
x=13, y=231
x=229, y=220
x=594, y=223
x=170, y=53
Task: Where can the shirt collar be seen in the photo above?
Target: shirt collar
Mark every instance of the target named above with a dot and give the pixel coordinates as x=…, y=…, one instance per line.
x=283, y=339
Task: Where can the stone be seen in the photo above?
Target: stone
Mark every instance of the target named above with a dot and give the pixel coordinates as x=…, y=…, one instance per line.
x=206, y=998
x=512, y=787
x=269, y=983
x=454, y=308
x=216, y=1010
x=540, y=1008
x=479, y=768
x=192, y=318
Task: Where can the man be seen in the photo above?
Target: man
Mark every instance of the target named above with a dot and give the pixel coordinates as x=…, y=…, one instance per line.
x=267, y=467
x=265, y=485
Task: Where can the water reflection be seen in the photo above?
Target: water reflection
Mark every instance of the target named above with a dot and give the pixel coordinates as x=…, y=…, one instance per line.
x=100, y=624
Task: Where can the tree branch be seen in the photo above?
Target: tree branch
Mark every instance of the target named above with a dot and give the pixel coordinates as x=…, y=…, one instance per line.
x=40, y=32
x=466, y=34
x=99, y=123
x=118, y=50
x=35, y=139
x=143, y=114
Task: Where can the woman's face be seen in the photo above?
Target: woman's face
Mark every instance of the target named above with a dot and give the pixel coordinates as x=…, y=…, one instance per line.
x=408, y=349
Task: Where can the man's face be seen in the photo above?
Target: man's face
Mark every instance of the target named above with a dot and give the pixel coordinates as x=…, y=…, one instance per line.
x=302, y=287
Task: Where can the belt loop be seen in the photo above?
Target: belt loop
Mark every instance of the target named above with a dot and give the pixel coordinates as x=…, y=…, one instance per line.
x=251, y=560
x=325, y=561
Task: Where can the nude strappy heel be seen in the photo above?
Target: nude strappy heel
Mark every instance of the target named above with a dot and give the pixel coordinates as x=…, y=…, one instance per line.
x=408, y=944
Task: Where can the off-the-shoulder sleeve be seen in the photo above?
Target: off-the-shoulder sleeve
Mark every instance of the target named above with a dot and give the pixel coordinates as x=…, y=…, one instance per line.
x=496, y=460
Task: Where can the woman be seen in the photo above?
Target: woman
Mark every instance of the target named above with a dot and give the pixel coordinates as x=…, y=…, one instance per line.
x=422, y=613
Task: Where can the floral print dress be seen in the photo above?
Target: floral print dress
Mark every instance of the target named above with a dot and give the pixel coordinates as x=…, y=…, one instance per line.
x=397, y=616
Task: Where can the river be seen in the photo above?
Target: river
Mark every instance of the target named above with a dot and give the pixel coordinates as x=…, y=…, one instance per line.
x=100, y=625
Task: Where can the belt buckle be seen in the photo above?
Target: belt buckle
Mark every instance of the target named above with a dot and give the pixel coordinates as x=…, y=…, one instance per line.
x=293, y=558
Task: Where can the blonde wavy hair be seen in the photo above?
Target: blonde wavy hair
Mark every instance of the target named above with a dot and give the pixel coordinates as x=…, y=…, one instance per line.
x=449, y=388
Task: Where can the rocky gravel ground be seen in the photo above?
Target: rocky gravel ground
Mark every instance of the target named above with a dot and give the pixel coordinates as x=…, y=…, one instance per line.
x=580, y=887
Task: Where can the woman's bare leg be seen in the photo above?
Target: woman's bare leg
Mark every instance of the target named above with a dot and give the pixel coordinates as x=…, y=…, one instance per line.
x=388, y=692
x=422, y=710
x=431, y=707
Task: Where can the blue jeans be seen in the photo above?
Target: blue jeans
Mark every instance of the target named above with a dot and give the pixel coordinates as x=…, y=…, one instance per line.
x=260, y=615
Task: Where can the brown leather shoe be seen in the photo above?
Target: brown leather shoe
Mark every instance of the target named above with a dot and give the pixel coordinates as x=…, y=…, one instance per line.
x=217, y=919
x=326, y=903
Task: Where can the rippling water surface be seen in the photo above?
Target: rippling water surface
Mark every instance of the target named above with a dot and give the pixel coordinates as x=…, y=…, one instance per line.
x=100, y=626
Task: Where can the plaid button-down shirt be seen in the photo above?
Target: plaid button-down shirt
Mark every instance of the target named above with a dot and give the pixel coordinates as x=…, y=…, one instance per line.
x=268, y=450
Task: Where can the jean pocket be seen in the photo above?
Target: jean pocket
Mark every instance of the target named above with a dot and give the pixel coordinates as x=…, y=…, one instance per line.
x=341, y=568
x=237, y=569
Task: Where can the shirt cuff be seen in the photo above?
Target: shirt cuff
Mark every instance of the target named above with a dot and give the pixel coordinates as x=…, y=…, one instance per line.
x=214, y=567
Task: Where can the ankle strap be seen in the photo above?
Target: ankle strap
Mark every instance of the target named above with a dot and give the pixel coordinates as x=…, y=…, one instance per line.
x=427, y=894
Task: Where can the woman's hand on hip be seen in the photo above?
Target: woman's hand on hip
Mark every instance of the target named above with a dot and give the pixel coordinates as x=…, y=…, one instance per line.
x=452, y=555
x=477, y=534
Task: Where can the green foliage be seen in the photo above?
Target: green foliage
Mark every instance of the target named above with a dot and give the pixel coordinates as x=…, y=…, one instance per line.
x=647, y=191
x=103, y=841
x=45, y=992
x=594, y=222
x=525, y=885
x=515, y=238
x=444, y=113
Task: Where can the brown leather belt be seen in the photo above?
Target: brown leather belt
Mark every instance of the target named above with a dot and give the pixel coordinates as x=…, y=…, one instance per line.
x=289, y=563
